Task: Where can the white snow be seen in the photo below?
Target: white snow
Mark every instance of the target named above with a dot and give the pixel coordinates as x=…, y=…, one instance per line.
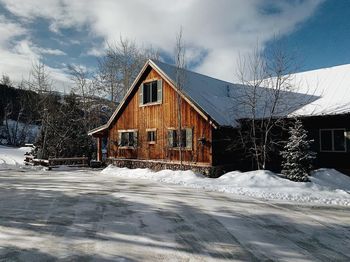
x=11, y=157
x=327, y=186
x=331, y=86
x=316, y=92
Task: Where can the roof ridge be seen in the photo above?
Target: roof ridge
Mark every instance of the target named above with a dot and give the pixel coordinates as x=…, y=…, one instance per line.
x=192, y=72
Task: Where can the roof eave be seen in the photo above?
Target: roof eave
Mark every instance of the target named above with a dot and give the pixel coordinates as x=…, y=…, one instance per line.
x=98, y=130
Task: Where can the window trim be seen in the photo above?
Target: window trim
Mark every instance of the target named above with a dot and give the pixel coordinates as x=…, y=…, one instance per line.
x=186, y=148
x=151, y=130
x=127, y=131
x=332, y=134
x=159, y=99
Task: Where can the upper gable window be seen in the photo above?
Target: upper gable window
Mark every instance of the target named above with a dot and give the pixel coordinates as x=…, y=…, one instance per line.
x=151, y=92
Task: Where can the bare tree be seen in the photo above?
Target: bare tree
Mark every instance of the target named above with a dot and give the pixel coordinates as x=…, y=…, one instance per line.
x=120, y=66
x=40, y=80
x=81, y=80
x=268, y=96
x=41, y=83
x=83, y=85
x=180, y=65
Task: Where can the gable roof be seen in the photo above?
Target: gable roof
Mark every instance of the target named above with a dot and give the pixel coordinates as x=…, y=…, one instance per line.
x=216, y=100
x=226, y=102
x=331, y=85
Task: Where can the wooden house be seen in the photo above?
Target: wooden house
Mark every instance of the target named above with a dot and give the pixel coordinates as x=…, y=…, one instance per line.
x=144, y=130
x=145, y=126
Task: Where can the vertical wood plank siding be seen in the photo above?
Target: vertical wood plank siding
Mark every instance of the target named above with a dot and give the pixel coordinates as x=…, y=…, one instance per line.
x=161, y=117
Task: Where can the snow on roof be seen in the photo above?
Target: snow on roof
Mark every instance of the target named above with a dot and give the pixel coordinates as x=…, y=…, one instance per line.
x=225, y=102
x=331, y=85
x=319, y=92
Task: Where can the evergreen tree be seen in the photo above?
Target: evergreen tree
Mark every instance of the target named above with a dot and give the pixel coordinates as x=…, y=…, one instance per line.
x=64, y=131
x=296, y=156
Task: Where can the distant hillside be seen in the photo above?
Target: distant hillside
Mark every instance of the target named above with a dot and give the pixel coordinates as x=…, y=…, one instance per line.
x=11, y=101
x=21, y=112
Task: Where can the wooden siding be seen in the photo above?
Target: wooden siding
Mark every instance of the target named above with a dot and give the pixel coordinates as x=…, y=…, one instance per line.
x=160, y=117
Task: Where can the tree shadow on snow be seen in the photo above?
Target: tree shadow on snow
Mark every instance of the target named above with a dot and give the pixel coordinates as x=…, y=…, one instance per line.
x=94, y=213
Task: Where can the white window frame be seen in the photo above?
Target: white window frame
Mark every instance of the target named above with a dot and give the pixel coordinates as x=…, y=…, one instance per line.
x=332, y=132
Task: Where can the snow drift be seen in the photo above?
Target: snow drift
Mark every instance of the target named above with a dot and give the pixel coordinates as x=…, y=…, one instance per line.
x=327, y=186
x=11, y=157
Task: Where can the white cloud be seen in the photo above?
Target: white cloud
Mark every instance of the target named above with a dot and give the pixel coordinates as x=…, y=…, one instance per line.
x=49, y=51
x=96, y=51
x=18, y=56
x=9, y=30
x=18, y=53
x=223, y=28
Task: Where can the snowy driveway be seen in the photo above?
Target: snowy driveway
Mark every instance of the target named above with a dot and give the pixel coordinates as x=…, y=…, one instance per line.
x=85, y=215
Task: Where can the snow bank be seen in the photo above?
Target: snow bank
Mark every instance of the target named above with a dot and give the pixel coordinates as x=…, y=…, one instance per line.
x=11, y=157
x=327, y=186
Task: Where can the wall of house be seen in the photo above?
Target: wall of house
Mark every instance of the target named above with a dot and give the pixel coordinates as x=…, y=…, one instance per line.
x=161, y=117
x=337, y=160
x=227, y=151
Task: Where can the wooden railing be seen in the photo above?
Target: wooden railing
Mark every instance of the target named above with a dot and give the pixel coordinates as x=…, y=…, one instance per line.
x=69, y=161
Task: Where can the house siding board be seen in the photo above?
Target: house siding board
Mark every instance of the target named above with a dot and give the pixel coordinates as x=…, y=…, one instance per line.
x=338, y=160
x=161, y=117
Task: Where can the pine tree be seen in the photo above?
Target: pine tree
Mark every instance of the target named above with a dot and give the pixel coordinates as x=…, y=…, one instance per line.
x=296, y=156
x=64, y=130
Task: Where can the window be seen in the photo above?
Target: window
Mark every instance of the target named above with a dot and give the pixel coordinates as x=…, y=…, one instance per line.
x=184, y=140
x=127, y=138
x=151, y=92
x=151, y=136
x=332, y=140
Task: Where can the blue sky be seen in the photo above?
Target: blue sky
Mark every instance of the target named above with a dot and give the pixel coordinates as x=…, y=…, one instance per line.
x=62, y=32
x=324, y=39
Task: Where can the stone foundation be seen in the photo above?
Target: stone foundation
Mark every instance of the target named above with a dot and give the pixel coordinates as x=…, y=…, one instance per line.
x=209, y=171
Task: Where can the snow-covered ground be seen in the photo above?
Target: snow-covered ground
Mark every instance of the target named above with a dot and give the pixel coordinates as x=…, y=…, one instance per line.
x=327, y=186
x=84, y=215
x=12, y=157
x=113, y=215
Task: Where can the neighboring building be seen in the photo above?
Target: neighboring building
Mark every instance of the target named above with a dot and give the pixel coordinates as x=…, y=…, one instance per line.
x=328, y=118
x=143, y=130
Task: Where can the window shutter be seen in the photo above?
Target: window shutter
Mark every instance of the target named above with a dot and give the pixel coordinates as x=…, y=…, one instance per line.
x=141, y=94
x=189, y=138
x=170, y=138
x=135, y=139
x=119, y=138
x=159, y=90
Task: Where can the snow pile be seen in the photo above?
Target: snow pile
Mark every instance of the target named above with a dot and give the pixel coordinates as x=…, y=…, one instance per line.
x=331, y=178
x=11, y=157
x=327, y=186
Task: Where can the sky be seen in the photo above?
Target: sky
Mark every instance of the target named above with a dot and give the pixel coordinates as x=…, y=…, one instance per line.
x=215, y=32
